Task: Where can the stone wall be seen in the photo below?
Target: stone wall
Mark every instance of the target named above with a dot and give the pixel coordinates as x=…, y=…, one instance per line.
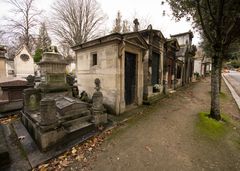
x=198, y=66
x=105, y=70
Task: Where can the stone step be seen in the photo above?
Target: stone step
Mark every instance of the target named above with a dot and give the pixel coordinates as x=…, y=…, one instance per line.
x=80, y=127
x=77, y=121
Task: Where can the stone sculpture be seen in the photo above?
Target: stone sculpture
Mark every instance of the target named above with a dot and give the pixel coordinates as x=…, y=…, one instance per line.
x=98, y=110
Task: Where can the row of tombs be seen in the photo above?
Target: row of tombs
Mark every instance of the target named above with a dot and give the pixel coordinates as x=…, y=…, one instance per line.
x=127, y=69
x=136, y=67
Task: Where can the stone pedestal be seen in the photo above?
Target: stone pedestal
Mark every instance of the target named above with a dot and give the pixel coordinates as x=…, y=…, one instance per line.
x=48, y=111
x=100, y=119
x=53, y=72
x=97, y=99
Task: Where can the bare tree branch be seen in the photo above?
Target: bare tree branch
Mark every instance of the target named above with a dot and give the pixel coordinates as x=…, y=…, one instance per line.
x=210, y=39
x=24, y=20
x=76, y=21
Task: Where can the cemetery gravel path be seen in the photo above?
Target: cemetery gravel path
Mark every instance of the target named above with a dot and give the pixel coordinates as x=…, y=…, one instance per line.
x=163, y=137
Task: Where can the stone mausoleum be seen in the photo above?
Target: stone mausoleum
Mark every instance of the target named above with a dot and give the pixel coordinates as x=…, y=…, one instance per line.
x=51, y=114
x=117, y=59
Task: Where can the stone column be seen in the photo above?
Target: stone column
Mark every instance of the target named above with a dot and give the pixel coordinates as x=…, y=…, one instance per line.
x=48, y=111
x=121, y=78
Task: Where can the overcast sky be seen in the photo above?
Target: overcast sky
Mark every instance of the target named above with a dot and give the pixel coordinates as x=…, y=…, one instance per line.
x=150, y=9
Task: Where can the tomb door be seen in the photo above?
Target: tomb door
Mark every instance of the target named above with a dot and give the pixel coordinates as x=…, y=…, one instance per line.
x=130, y=78
x=155, y=68
x=170, y=72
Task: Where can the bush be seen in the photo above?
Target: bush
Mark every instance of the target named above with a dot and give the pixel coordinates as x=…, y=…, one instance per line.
x=38, y=55
x=235, y=63
x=197, y=75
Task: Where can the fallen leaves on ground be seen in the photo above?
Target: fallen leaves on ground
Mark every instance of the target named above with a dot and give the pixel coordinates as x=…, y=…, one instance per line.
x=148, y=148
x=8, y=119
x=78, y=153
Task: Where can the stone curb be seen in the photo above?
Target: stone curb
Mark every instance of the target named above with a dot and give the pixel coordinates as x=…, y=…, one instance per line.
x=233, y=92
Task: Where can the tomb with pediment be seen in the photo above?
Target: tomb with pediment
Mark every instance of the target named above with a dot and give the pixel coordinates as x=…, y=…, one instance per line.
x=118, y=61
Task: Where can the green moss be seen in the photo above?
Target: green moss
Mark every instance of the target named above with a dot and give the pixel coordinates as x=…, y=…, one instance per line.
x=212, y=128
x=226, y=119
x=222, y=95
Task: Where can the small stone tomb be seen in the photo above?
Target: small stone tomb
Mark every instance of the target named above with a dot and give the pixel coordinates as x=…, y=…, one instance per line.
x=11, y=97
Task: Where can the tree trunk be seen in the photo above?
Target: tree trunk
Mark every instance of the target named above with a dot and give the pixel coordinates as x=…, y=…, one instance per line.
x=215, y=101
x=220, y=74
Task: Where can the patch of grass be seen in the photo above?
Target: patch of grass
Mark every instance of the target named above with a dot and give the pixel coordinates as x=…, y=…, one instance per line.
x=212, y=128
x=223, y=95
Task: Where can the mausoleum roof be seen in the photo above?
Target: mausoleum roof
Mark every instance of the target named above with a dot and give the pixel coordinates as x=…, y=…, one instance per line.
x=113, y=37
x=181, y=34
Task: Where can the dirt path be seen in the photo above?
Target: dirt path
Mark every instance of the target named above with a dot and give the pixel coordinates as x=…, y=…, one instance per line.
x=164, y=137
